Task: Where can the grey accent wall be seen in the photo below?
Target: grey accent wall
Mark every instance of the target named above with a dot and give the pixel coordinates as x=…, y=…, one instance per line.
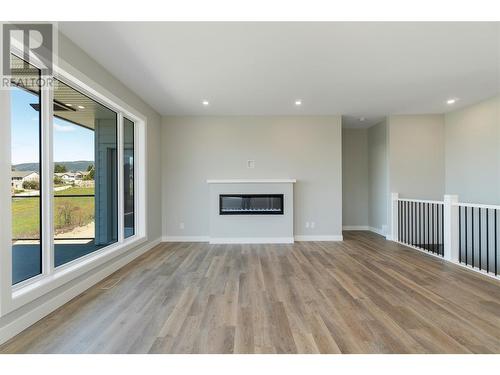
x=355, y=186
x=473, y=152
x=416, y=154
x=378, y=176
x=199, y=148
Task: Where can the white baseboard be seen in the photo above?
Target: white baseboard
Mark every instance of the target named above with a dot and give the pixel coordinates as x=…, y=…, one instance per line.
x=356, y=227
x=24, y=321
x=255, y=240
x=185, y=239
x=318, y=238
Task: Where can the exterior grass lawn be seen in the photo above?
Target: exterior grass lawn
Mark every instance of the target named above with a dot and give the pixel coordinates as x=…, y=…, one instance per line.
x=69, y=213
x=26, y=218
x=76, y=191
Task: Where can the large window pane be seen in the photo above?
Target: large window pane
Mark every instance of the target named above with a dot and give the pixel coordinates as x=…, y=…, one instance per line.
x=85, y=175
x=128, y=177
x=25, y=175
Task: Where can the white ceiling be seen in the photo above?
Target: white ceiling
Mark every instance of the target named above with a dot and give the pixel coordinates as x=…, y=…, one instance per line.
x=354, y=69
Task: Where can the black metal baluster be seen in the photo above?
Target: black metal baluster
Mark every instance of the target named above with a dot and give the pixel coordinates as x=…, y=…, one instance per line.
x=466, y=230
x=418, y=226
x=496, y=231
x=415, y=234
x=420, y=229
x=472, y=235
x=460, y=234
x=436, y=248
x=407, y=222
x=414, y=229
x=404, y=220
x=428, y=227
x=480, y=237
x=411, y=224
x=432, y=226
x=437, y=229
x=402, y=233
x=399, y=221
x=488, y=240
x=423, y=225
x=442, y=231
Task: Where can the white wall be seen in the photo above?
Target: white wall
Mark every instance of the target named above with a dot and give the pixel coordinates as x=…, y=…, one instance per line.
x=378, y=177
x=473, y=152
x=195, y=149
x=355, y=186
x=416, y=156
x=80, y=65
x=423, y=157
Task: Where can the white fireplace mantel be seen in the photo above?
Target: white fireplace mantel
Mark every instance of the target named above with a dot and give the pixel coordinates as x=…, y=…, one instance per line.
x=251, y=228
x=254, y=181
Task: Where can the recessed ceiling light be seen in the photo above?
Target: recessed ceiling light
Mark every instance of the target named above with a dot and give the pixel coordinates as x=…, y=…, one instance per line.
x=69, y=105
x=205, y=103
x=362, y=119
x=298, y=102
x=451, y=101
x=81, y=107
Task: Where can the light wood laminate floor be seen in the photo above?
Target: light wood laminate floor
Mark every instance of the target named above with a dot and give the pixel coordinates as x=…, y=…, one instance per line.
x=363, y=295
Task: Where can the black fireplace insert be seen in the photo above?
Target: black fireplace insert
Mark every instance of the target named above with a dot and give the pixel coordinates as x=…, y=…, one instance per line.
x=251, y=204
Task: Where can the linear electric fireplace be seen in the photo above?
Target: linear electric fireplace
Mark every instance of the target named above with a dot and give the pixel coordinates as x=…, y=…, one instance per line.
x=251, y=204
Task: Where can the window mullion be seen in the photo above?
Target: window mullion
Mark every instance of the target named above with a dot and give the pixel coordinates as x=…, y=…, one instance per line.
x=120, y=164
x=137, y=229
x=47, y=173
x=5, y=203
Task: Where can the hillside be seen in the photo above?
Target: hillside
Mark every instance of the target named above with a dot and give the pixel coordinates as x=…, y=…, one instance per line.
x=71, y=166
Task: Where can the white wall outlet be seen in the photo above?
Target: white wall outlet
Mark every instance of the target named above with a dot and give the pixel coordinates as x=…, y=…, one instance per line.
x=307, y=224
x=181, y=225
x=313, y=224
x=251, y=164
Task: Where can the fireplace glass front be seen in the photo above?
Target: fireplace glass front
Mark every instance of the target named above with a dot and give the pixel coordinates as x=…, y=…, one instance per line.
x=251, y=204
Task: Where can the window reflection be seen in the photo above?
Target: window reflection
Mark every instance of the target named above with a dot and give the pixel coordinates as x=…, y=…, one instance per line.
x=25, y=171
x=85, y=175
x=128, y=177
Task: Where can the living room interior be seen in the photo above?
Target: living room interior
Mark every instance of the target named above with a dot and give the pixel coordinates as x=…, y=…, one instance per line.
x=246, y=187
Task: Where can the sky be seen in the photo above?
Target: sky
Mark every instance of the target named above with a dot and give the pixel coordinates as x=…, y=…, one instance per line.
x=71, y=142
